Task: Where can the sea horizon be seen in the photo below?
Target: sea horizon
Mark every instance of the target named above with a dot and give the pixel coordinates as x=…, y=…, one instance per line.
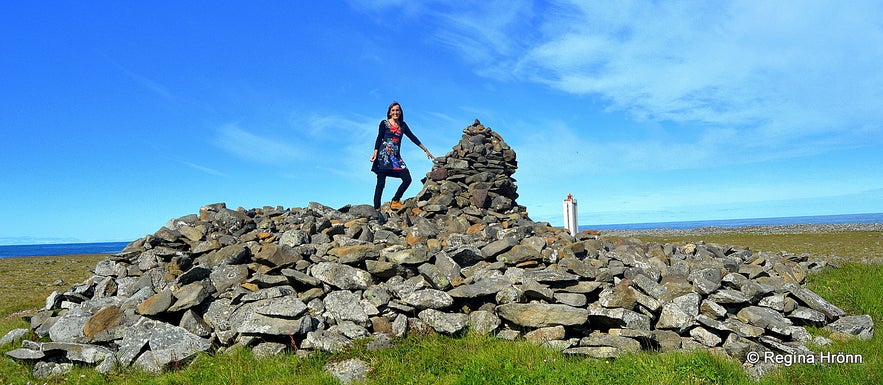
x=74, y=248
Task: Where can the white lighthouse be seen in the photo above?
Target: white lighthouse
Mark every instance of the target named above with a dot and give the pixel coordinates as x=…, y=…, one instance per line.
x=570, y=215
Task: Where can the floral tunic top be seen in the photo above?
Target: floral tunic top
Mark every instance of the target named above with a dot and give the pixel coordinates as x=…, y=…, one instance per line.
x=388, y=145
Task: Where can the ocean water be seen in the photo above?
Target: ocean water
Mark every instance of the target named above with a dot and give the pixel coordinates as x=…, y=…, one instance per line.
x=8, y=251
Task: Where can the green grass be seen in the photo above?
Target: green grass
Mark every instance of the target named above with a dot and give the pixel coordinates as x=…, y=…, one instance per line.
x=26, y=282
x=475, y=359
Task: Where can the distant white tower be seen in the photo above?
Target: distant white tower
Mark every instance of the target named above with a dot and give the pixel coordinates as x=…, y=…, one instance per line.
x=570, y=215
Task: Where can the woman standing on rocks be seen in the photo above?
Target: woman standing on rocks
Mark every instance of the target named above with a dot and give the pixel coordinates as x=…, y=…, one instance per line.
x=387, y=160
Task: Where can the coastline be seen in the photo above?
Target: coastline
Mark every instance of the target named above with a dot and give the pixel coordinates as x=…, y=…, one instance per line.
x=49, y=257
x=757, y=230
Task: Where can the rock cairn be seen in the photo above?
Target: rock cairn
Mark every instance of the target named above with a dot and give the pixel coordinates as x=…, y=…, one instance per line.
x=473, y=180
x=461, y=255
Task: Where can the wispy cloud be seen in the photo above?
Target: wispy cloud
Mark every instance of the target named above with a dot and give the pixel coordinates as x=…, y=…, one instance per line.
x=805, y=75
x=207, y=170
x=254, y=147
x=483, y=32
x=347, y=141
x=787, y=71
x=147, y=83
x=336, y=127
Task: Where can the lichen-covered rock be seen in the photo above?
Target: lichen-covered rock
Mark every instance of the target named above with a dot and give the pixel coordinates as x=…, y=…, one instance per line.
x=539, y=315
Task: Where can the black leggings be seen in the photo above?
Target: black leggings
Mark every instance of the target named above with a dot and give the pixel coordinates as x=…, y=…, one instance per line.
x=381, y=183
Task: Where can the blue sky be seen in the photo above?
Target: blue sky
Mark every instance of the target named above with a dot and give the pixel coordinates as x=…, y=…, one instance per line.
x=118, y=116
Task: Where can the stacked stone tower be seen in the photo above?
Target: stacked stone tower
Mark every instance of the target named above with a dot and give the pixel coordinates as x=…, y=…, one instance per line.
x=474, y=179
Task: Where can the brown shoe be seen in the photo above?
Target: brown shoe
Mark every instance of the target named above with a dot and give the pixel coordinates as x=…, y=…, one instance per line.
x=396, y=205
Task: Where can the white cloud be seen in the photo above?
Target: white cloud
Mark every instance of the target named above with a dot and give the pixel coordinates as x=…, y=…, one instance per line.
x=482, y=31
x=802, y=74
x=348, y=140
x=262, y=149
x=323, y=144
x=207, y=170
x=336, y=127
x=149, y=84
x=199, y=167
x=788, y=68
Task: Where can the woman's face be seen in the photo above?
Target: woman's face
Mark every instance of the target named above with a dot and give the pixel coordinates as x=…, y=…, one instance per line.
x=395, y=112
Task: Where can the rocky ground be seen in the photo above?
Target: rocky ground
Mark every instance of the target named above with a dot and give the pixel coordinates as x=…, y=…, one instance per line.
x=781, y=229
x=461, y=255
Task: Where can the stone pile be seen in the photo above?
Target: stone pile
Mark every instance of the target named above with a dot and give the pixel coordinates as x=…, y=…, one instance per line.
x=474, y=179
x=462, y=255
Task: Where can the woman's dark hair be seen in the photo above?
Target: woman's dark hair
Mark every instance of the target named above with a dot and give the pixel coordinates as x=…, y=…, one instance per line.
x=401, y=116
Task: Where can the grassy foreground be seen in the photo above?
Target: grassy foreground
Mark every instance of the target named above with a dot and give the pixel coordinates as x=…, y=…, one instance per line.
x=472, y=359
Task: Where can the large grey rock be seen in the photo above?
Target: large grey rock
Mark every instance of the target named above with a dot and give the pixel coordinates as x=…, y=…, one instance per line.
x=341, y=276
x=269, y=349
x=156, y=304
x=571, y=299
x=763, y=317
x=815, y=302
x=326, y=341
x=409, y=257
x=227, y=276
x=542, y=315
x=345, y=306
x=600, y=352
x=350, y=330
x=194, y=323
x=498, y=247
x=729, y=297
x=860, y=326
x=228, y=255
x=351, y=371
x=283, y=307
x=294, y=238
x=622, y=344
x=26, y=354
x=519, y=253
x=44, y=369
x=533, y=289
x=428, y=299
x=191, y=295
x=551, y=276
x=166, y=343
x=605, y=318
x=13, y=335
x=69, y=327
x=481, y=288
x=650, y=286
x=434, y=276
x=680, y=313
x=194, y=274
x=246, y=320
x=483, y=321
x=618, y=296
x=543, y=335
x=705, y=337
x=81, y=353
x=446, y=323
